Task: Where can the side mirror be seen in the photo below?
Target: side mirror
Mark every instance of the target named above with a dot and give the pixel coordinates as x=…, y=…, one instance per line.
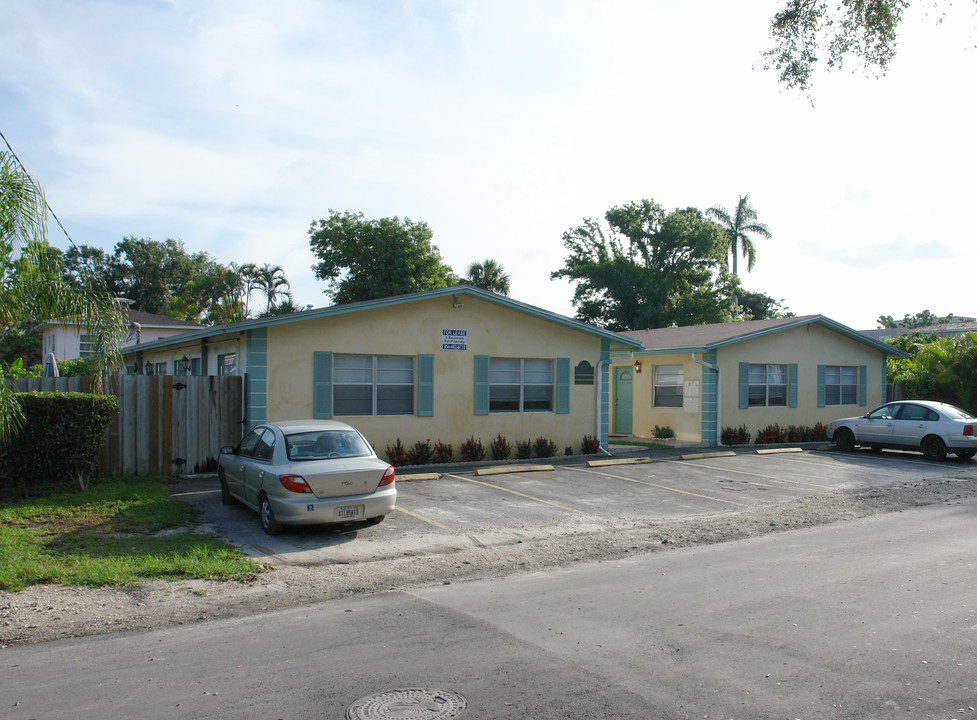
x=227, y=450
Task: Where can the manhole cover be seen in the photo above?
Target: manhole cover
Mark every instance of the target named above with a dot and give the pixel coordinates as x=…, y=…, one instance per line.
x=408, y=704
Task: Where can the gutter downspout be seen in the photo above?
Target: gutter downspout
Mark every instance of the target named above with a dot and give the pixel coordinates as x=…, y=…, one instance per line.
x=719, y=394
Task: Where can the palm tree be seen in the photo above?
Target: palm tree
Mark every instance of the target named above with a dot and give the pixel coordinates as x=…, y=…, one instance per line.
x=272, y=282
x=739, y=227
x=33, y=286
x=489, y=275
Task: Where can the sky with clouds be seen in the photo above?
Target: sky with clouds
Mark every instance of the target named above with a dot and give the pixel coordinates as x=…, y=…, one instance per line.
x=232, y=124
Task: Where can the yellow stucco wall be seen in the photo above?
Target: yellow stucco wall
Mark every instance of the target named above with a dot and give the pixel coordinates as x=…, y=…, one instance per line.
x=645, y=417
x=416, y=327
x=808, y=346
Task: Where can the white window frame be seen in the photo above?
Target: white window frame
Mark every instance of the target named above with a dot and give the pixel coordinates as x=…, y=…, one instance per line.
x=86, y=348
x=762, y=372
x=667, y=377
x=378, y=373
x=835, y=386
x=529, y=376
x=227, y=363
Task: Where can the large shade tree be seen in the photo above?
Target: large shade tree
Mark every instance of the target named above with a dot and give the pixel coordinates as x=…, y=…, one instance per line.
x=363, y=259
x=33, y=286
x=648, y=268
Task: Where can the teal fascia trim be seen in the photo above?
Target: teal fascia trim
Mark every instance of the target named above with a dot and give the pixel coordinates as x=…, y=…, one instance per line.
x=604, y=421
x=709, y=400
x=256, y=387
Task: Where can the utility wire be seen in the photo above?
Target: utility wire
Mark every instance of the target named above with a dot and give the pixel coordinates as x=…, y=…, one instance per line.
x=46, y=204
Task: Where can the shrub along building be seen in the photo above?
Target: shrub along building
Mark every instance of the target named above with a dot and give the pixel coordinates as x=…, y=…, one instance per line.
x=697, y=380
x=448, y=365
x=458, y=363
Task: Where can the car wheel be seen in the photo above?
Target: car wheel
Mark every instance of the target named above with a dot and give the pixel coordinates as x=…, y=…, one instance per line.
x=844, y=439
x=966, y=454
x=933, y=448
x=226, y=497
x=268, y=522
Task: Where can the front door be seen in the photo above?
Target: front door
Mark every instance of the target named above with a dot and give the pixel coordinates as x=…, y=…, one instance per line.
x=622, y=400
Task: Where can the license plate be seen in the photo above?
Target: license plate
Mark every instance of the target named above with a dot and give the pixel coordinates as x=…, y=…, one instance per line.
x=350, y=511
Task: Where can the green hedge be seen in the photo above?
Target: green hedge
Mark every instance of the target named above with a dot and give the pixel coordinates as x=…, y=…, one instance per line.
x=58, y=445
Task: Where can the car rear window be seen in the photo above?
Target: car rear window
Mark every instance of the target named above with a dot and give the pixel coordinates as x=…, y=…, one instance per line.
x=324, y=444
x=955, y=413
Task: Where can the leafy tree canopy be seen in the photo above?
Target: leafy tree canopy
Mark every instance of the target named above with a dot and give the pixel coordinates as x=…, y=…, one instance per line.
x=760, y=306
x=807, y=31
x=647, y=268
x=922, y=319
x=363, y=259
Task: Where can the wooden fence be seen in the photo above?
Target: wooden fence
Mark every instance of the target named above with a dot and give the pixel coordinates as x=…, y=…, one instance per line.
x=167, y=424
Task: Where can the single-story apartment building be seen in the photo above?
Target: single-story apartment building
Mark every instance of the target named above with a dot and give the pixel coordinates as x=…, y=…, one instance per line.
x=700, y=379
x=461, y=362
x=442, y=365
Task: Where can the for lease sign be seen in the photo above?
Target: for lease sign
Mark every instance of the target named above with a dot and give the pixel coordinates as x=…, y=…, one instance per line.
x=454, y=339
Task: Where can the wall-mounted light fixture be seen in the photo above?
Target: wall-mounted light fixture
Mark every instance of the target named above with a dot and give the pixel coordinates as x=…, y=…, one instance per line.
x=637, y=366
x=455, y=302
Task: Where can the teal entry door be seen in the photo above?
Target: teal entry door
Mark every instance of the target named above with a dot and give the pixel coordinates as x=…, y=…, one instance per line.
x=622, y=400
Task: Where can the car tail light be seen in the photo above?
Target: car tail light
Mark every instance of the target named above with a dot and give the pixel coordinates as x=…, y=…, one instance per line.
x=388, y=477
x=295, y=483
x=968, y=430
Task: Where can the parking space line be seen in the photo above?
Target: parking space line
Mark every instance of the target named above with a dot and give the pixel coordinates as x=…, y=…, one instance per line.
x=654, y=485
x=743, y=472
x=514, y=492
x=429, y=521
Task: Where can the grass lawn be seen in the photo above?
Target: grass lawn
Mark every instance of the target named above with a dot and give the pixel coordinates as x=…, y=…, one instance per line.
x=119, y=532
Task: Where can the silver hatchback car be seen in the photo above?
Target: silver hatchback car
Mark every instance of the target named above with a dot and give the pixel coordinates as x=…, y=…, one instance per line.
x=307, y=472
x=934, y=428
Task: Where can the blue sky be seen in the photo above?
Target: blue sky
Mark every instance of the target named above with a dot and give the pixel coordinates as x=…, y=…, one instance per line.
x=232, y=125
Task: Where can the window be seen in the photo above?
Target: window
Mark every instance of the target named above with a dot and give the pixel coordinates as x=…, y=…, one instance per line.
x=227, y=364
x=767, y=385
x=669, y=383
x=840, y=385
x=373, y=385
x=86, y=346
x=319, y=444
x=520, y=385
x=161, y=368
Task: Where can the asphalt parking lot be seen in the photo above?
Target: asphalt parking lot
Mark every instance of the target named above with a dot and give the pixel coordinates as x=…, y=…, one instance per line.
x=461, y=508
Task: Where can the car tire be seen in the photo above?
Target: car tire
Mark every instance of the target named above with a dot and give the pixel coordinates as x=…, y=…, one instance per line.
x=933, y=448
x=268, y=522
x=226, y=497
x=844, y=439
x=966, y=454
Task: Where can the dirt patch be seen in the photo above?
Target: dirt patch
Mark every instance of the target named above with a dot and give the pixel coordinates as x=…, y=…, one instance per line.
x=44, y=613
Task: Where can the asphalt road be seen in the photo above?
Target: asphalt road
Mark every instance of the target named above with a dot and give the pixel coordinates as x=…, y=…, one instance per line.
x=873, y=618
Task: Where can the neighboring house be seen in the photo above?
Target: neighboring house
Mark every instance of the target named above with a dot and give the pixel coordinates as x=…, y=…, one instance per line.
x=442, y=365
x=67, y=340
x=949, y=329
x=700, y=379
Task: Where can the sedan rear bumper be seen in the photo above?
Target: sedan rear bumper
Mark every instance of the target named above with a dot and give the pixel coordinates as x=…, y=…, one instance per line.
x=309, y=510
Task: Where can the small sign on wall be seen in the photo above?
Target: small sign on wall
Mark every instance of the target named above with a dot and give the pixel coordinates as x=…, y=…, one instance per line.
x=454, y=339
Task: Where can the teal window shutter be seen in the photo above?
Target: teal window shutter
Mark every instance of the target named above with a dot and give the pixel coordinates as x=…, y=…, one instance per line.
x=744, y=385
x=562, y=385
x=822, y=402
x=481, y=384
x=425, y=385
x=862, y=385
x=792, y=386
x=322, y=385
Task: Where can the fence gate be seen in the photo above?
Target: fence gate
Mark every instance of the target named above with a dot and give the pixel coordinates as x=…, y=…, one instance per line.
x=167, y=424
